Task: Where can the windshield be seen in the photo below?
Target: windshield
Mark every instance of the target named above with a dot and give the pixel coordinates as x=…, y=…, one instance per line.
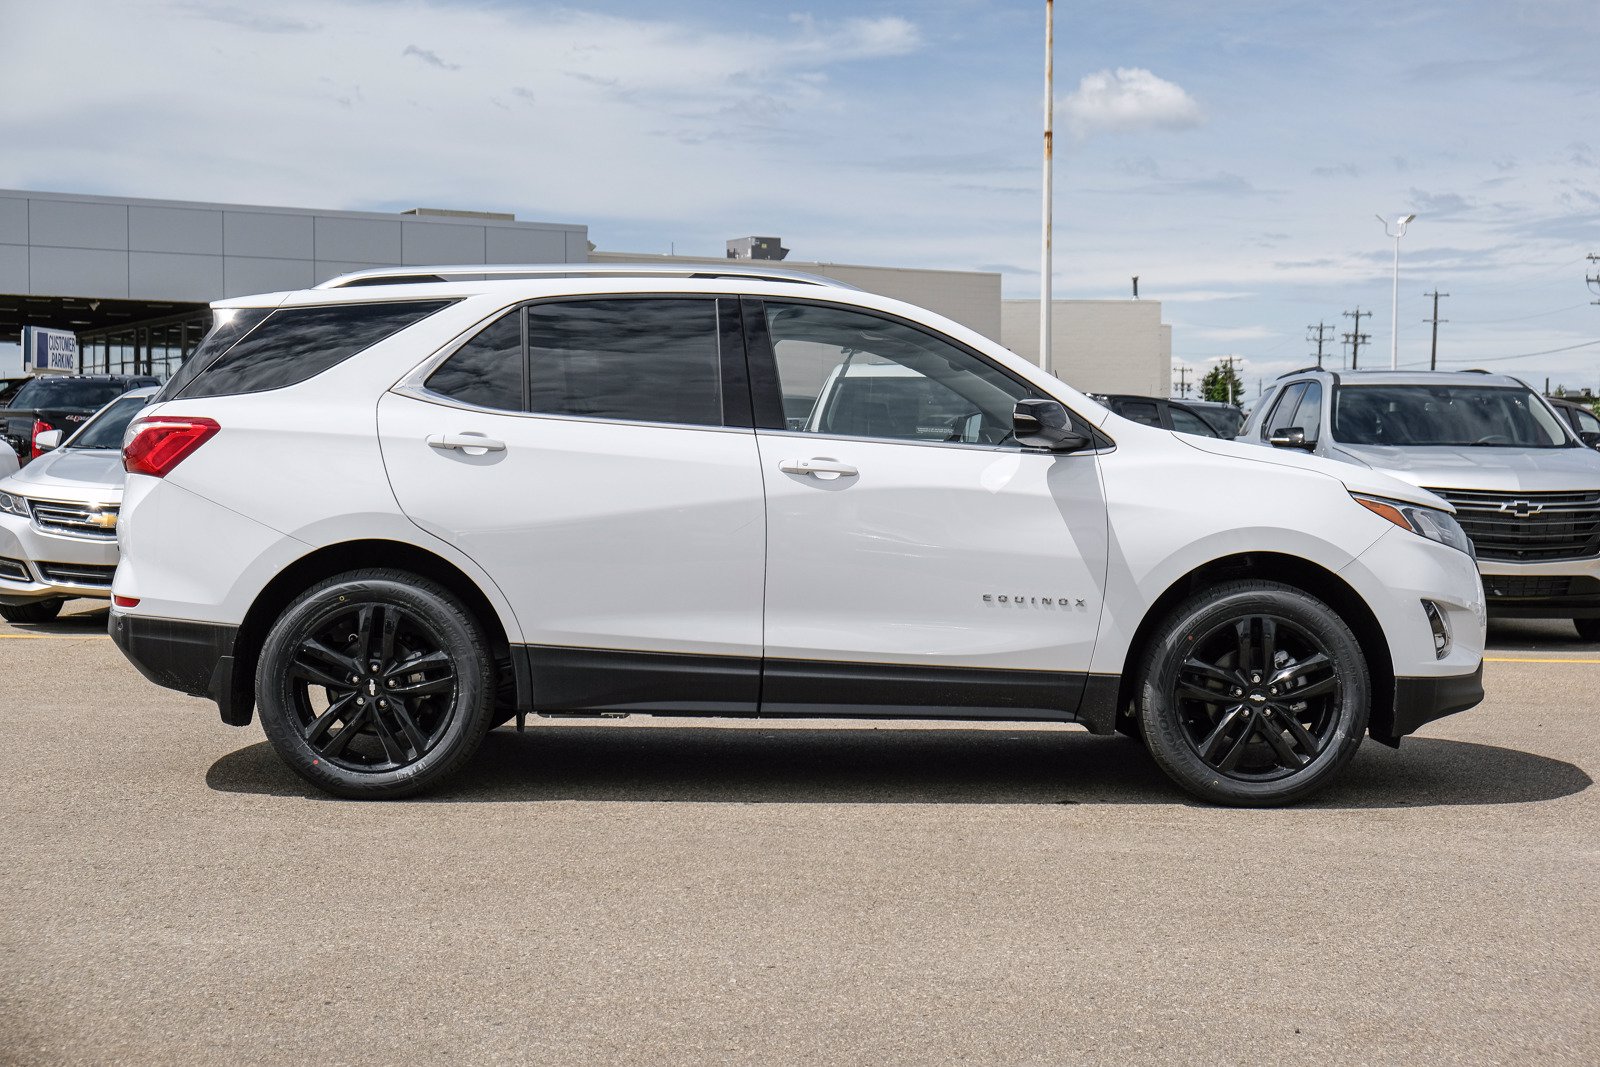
x=1453, y=415
x=105, y=430
x=66, y=393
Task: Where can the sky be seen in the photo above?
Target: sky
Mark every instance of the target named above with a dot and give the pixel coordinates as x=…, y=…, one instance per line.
x=1233, y=155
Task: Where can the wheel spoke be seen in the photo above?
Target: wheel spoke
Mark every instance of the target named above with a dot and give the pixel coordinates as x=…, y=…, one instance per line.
x=391, y=623
x=1269, y=644
x=1231, y=758
x=391, y=745
x=408, y=726
x=1194, y=692
x=364, y=629
x=1315, y=689
x=428, y=687
x=1302, y=736
x=321, y=665
x=1211, y=747
x=341, y=740
x=422, y=661
x=1296, y=671
x=1246, y=647
x=1209, y=670
x=317, y=732
x=1273, y=734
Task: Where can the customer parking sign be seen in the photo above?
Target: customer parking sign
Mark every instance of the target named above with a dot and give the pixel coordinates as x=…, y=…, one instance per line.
x=46, y=351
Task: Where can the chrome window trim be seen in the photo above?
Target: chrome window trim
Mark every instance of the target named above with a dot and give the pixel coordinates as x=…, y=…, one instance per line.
x=427, y=396
x=1007, y=450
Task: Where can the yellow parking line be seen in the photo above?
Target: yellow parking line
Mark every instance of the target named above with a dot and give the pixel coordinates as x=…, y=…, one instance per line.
x=55, y=637
x=1509, y=659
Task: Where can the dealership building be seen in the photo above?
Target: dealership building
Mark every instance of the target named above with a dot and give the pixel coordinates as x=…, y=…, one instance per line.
x=132, y=278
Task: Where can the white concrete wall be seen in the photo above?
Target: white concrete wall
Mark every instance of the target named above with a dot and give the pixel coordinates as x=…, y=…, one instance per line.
x=1099, y=346
x=972, y=298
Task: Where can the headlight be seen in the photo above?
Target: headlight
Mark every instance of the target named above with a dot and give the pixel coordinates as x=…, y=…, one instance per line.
x=1435, y=525
x=14, y=505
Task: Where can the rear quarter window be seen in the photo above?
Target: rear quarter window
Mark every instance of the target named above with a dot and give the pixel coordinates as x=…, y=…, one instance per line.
x=292, y=345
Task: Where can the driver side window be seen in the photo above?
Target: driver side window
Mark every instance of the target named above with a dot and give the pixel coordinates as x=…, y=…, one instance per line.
x=851, y=374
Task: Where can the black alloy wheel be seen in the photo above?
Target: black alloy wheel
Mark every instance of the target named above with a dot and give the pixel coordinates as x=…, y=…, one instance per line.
x=375, y=684
x=1253, y=693
x=373, y=687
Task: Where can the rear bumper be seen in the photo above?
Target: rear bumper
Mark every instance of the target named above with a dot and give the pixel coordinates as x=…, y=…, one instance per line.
x=192, y=657
x=1419, y=701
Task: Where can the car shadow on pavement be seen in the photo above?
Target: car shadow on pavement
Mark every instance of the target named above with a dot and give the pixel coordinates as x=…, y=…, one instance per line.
x=69, y=624
x=693, y=764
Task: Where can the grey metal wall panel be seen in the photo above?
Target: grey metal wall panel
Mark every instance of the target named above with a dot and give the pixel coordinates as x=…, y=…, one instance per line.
x=77, y=272
x=244, y=276
x=74, y=224
x=508, y=245
x=577, y=246
x=441, y=243
x=13, y=220
x=257, y=234
x=173, y=229
x=13, y=269
x=174, y=276
x=358, y=240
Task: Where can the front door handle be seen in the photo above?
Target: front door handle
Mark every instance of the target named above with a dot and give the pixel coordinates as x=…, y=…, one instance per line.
x=470, y=444
x=824, y=467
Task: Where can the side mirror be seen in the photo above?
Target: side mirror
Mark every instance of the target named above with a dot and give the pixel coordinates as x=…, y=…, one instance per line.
x=50, y=439
x=1290, y=437
x=1590, y=438
x=1045, y=424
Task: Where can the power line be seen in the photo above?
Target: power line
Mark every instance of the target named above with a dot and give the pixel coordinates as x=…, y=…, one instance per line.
x=1525, y=355
x=1433, y=352
x=1517, y=318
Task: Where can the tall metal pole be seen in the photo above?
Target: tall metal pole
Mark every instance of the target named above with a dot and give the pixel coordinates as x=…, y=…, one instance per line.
x=1394, y=310
x=1046, y=257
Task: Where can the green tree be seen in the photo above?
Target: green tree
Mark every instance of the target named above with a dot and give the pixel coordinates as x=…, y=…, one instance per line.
x=1222, y=383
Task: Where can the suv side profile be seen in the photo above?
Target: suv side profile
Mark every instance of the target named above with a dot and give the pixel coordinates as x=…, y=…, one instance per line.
x=410, y=505
x=1526, y=490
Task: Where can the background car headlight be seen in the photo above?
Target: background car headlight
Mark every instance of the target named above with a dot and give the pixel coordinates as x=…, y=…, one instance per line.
x=14, y=505
x=1435, y=525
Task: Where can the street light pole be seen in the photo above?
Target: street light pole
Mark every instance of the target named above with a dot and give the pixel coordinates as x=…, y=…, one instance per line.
x=1394, y=301
x=1046, y=256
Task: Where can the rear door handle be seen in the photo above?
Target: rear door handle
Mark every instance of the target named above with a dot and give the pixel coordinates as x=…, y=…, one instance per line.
x=471, y=444
x=824, y=467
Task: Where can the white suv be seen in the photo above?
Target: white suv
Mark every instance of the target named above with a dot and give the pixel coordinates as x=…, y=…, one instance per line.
x=407, y=506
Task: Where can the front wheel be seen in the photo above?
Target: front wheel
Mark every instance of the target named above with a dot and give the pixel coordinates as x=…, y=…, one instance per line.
x=375, y=684
x=1253, y=693
x=37, y=611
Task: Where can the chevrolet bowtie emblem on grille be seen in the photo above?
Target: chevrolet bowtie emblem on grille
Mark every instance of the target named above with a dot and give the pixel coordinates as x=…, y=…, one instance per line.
x=1522, y=509
x=106, y=520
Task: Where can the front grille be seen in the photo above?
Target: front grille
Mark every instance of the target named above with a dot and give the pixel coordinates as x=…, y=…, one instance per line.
x=78, y=574
x=1527, y=527
x=1509, y=585
x=14, y=570
x=78, y=520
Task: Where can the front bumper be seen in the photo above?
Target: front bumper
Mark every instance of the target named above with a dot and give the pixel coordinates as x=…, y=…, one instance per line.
x=192, y=657
x=1568, y=589
x=38, y=565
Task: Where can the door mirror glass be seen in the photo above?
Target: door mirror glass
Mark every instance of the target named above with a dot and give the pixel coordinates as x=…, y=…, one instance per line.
x=1045, y=424
x=51, y=439
x=1288, y=437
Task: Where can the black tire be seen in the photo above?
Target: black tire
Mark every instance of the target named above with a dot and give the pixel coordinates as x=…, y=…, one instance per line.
x=410, y=686
x=38, y=611
x=1588, y=629
x=1229, y=730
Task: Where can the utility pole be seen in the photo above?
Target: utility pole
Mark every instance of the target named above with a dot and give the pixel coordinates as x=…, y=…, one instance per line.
x=1356, y=337
x=1593, y=282
x=1433, y=352
x=1183, y=382
x=1047, y=223
x=1320, y=327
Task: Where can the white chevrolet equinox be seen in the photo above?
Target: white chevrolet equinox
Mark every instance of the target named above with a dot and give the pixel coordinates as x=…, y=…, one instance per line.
x=407, y=506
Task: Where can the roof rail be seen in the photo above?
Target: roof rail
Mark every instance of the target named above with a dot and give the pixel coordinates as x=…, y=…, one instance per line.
x=1479, y=370
x=1302, y=370
x=404, y=275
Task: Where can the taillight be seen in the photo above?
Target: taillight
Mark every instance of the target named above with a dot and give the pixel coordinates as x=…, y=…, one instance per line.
x=34, y=452
x=125, y=601
x=157, y=445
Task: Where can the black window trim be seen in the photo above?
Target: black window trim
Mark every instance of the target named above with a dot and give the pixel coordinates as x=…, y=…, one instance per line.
x=1271, y=415
x=732, y=364
x=767, y=393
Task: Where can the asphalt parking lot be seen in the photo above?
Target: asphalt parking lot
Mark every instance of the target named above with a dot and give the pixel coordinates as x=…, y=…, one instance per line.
x=691, y=891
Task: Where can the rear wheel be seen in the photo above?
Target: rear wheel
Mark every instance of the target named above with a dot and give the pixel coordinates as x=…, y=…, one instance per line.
x=1588, y=629
x=375, y=684
x=1253, y=693
x=38, y=611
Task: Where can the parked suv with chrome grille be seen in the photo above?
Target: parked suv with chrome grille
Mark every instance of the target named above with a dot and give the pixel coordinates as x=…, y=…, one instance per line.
x=393, y=516
x=1524, y=487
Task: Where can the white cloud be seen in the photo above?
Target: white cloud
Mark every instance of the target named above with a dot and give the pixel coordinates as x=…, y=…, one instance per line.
x=1128, y=98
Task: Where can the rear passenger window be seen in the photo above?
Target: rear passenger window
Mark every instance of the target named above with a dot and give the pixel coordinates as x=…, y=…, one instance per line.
x=486, y=372
x=1140, y=411
x=643, y=359
x=294, y=344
